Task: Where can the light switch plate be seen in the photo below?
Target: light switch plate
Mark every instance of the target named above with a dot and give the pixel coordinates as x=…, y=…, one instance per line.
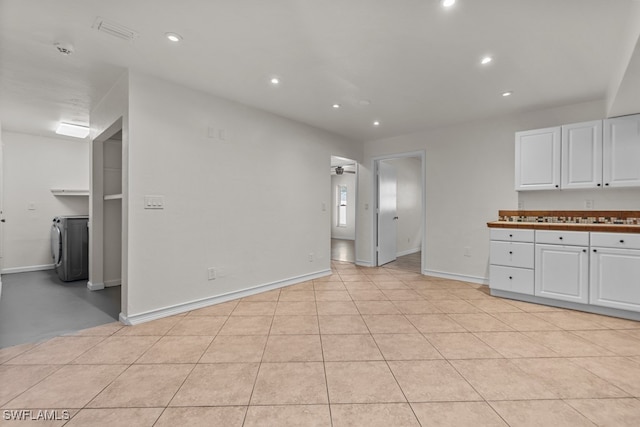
x=154, y=202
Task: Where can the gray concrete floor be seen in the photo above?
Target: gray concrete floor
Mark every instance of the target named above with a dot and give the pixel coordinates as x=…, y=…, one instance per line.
x=37, y=305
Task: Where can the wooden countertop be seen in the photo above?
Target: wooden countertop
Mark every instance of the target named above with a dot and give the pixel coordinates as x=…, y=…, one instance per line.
x=609, y=228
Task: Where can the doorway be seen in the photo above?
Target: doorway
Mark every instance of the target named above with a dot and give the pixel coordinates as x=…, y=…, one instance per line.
x=343, y=209
x=106, y=214
x=399, y=217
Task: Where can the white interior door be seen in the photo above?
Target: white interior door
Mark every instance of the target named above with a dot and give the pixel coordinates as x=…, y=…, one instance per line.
x=387, y=213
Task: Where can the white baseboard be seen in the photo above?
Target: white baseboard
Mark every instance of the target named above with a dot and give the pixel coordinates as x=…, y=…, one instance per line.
x=28, y=268
x=205, y=302
x=362, y=263
x=408, y=252
x=114, y=282
x=95, y=286
x=455, y=276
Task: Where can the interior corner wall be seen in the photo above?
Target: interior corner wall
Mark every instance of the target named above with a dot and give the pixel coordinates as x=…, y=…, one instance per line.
x=409, y=204
x=246, y=201
x=347, y=232
x=469, y=177
x=33, y=165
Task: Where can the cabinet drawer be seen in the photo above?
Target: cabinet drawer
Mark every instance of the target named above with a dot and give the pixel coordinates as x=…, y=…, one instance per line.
x=511, y=279
x=573, y=238
x=511, y=235
x=512, y=254
x=616, y=240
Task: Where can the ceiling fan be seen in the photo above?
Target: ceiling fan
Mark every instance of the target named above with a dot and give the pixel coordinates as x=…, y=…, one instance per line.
x=340, y=170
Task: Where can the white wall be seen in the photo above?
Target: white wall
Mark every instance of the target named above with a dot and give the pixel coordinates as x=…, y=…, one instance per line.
x=33, y=165
x=349, y=231
x=469, y=177
x=409, y=204
x=249, y=205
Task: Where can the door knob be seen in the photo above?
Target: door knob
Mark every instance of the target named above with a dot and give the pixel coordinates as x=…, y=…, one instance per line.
x=395, y=217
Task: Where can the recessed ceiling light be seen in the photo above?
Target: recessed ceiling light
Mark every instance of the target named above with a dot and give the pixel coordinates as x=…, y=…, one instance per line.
x=275, y=81
x=174, y=37
x=75, y=131
x=376, y=123
x=448, y=3
x=336, y=106
x=509, y=93
x=486, y=60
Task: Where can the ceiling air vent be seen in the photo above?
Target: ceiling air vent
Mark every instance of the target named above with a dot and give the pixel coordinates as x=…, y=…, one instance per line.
x=114, y=29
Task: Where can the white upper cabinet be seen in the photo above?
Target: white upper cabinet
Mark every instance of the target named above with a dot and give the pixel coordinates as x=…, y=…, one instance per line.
x=595, y=154
x=538, y=159
x=582, y=155
x=621, y=153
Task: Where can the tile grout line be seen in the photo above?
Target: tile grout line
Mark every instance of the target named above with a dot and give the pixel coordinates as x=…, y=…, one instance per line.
x=264, y=349
x=194, y=365
x=324, y=365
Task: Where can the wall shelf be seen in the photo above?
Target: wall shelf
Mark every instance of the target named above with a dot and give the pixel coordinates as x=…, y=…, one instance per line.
x=67, y=192
x=113, y=197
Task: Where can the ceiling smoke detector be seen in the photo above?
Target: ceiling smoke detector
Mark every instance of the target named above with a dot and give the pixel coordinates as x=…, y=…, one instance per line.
x=114, y=29
x=64, y=48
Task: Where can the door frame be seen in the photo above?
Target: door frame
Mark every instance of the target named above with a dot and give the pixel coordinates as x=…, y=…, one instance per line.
x=96, y=214
x=355, y=216
x=376, y=194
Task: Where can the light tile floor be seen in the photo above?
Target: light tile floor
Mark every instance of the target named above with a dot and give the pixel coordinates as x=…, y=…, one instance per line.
x=362, y=347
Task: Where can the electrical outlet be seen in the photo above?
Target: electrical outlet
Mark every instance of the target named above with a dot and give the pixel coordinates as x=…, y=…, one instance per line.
x=588, y=204
x=520, y=204
x=211, y=273
x=467, y=251
x=310, y=256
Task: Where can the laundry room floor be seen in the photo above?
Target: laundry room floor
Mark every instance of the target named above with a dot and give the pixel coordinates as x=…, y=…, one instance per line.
x=37, y=305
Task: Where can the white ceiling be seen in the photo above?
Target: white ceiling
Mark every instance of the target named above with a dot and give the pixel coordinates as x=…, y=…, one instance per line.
x=417, y=63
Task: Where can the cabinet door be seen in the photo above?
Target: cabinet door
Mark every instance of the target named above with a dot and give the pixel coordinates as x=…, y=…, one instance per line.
x=615, y=278
x=538, y=159
x=621, y=152
x=582, y=155
x=562, y=272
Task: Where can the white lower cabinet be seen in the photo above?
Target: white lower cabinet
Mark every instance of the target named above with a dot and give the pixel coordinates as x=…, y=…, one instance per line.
x=615, y=278
x=511, y=255
x=597, y=271
x=562, y=273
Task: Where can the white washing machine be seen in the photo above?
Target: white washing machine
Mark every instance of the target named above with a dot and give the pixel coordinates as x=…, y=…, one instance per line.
x=70, y=247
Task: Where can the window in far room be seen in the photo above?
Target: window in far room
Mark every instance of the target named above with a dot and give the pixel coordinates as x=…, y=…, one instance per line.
x=342, y=205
